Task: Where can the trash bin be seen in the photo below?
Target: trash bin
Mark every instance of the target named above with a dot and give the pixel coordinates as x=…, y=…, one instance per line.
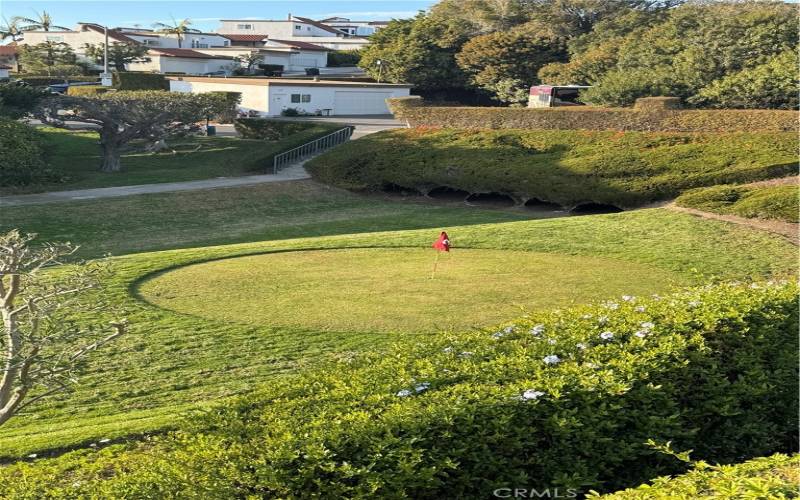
x=211, y=130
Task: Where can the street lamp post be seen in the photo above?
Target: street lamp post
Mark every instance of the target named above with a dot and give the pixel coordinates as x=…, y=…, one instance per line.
x=380, y=69
x=105, y=77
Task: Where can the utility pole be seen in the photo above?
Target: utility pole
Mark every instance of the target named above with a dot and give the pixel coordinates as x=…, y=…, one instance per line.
x=105, y=78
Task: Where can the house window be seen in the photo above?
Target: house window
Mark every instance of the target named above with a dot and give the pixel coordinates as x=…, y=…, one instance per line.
x=244, y=26
x=298, y=27
x=226, y=43
x=301, y=97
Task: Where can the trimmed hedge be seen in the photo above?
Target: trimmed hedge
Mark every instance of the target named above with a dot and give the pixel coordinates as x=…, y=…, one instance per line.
x=44, y=81
x=84, y=91
x=766, y=477
x=567, y=167
x=651, y=116
x=139, y=81
x=22, y=155
x=269, y=130
x=762, y=202
x=562, y=399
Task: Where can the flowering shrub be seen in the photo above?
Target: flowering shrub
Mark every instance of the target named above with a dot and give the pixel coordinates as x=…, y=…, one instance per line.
x=564, y=399
x=767, y=477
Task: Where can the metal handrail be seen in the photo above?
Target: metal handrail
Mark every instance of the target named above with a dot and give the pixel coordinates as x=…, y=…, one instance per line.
x=311, y=148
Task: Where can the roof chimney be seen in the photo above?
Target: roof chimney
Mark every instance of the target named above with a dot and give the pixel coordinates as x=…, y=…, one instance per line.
x=289, y=17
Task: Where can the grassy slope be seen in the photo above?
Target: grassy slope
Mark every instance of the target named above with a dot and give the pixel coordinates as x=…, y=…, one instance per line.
x=763, y=202
x=172, y=362
x=77, y=156
x=561, y=166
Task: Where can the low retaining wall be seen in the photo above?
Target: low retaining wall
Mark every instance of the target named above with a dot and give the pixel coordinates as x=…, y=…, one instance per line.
x=660, y=114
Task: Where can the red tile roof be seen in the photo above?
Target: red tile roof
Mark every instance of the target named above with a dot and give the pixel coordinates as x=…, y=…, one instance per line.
x=299, y=45
x=245, y=38
x=187, y=53
x=8, y=50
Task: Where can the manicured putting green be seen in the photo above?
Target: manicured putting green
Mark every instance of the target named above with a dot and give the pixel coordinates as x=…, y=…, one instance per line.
x=392, y=289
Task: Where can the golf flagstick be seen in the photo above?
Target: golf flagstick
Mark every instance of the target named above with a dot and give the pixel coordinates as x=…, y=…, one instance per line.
x=441, y=245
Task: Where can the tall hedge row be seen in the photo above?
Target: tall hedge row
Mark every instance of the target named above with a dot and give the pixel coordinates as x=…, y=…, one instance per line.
x=22, y=155
x=571, y=399
x=122, y=80
x=566, y=167
x=647, y=118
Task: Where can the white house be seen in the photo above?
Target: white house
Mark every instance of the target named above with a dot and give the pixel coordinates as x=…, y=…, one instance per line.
x=294, y=28
x=4, y=71
x=357, y=28
x=188, y=61
x=269, y=96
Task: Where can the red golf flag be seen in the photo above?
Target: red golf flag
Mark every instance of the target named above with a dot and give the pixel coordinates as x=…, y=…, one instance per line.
x=443, y=243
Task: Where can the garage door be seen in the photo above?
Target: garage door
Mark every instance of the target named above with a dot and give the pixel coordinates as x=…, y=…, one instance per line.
x=303, y=62
x=360, y=103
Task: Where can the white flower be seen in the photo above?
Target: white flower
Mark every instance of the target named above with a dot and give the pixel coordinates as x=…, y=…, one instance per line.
x=447, y=349
x=647, y=325
x=628, y=298
x=586, y=316
x=104, y=440
x=602, y=320
x=694, y=303
x=551, y=359
x=551, y=341
x=403, y=393
x=466, y=354
x=33, y=455
x=498, y=335
x=580, y=346
x=656, y=296
x=531, y=394
x=613, y=306
x=508, y=329
x=754, y=285
x=640, y=309
x=537, y=330
x=607, y=335
x=641, y=333
x=422, y=386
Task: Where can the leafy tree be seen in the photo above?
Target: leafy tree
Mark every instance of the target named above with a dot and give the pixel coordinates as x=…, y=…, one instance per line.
x=42, y=348
x=18, y=99
x=50, y=58
x=773, y=84
x=119, y=54
x=420, y=51
x=42, y=22
x=178, y=28
x=248, y=61
x=506, y=63
x=125, y=116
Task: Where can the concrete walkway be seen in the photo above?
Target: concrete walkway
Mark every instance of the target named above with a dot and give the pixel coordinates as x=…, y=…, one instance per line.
x=292, y=173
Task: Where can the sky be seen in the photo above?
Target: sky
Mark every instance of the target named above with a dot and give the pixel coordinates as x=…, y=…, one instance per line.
x=205, y=14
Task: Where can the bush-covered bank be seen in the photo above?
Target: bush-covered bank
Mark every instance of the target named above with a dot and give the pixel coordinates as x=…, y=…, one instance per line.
x=22, y=156
x=567, y=167
x=563, y=399
x=762, y=202
x=272, y=130
x=413, y=111
x=772, y=477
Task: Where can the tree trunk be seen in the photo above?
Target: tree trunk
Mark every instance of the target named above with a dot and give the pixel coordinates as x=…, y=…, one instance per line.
x=111, y=161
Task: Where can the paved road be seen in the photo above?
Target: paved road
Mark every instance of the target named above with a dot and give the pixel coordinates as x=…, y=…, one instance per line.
x=364, y=126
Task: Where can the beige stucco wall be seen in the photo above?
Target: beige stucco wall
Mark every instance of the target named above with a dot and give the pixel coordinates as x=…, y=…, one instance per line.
x=162, y=64
x=254, y=97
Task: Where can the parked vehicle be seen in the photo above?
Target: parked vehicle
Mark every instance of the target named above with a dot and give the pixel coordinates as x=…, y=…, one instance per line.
x=61, y=88
x=549, y=96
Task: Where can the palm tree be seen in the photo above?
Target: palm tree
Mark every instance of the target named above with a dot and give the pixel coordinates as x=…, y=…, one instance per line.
x=10, y=29
x=42, y=22
x=176, y=28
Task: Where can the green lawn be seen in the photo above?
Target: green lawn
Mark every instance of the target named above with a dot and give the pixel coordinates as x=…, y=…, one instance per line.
x=76, y=156
x=172, y=361
x=778, y=202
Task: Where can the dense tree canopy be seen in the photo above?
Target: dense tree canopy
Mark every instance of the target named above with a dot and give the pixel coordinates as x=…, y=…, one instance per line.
x=119, y=54
x=49, y=58
x=707, y=53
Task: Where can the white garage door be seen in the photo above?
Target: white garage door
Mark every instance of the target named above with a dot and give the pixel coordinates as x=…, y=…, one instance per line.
x=360, y=103
x=303, y=62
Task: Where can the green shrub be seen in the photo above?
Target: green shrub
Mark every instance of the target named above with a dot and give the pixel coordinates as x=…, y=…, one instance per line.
x=232, y=100
x=18, y=99
x=762, y=202
x=338, y=58
x=139, y=81
x=413, y=111
x=712, y=369
x=44, y=81
x=291, y=112
x=270, y=130
x=766, y=477
x=83, y=91
x=568, y=167
x=22, y=155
